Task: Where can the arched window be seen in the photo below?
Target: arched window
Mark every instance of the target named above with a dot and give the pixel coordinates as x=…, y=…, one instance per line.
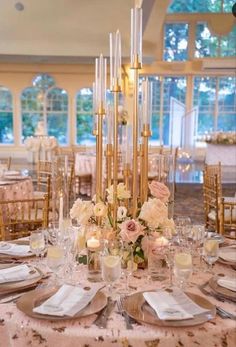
x=84, y=117
x=57, y=119
x=188, y=6
x=6, y=116
x=45, y=102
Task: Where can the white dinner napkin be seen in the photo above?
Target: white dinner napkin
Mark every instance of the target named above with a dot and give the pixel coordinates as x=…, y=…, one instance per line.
x=15, y=250
x=227, y=282
x=67, y=301
x=173, y=306
x=16, y=273
x=228, y=254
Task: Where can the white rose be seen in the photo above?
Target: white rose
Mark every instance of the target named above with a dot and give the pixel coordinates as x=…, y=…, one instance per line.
x=154, y=213
x=82, y=211
x=100, y=209
x=122, y=193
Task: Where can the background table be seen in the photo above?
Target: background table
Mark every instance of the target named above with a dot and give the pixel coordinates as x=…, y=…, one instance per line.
x=16, y=190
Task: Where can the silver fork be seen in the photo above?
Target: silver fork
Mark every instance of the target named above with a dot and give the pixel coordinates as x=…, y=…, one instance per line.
x=124, y=314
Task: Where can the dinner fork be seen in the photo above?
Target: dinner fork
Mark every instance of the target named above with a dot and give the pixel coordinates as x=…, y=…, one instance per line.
x=124, y=314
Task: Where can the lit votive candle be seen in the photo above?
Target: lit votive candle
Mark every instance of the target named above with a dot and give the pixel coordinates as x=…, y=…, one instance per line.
x=93, y=243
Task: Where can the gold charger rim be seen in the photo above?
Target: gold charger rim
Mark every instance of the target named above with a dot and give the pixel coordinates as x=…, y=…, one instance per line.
x=151, y=318
x=227, y=262
x=11, y=287
x=225, y=292
x=31, y=299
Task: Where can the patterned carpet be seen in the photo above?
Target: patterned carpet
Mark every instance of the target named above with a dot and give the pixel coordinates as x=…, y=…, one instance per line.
x=189, y=200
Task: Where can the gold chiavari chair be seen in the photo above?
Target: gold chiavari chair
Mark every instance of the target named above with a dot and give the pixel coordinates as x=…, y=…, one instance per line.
x=227, y=215
x=19, y=217
x=211, y=201
x=215, y=170
x=44, y=176
x=6, y=162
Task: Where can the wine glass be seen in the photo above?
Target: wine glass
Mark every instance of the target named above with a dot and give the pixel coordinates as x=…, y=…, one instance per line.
x=56, y=259
x=37, y=242
x=211, y=252
x=111, y=263
x=169, y=256
x=183, y=267
x=127, y=261
x=183, y=225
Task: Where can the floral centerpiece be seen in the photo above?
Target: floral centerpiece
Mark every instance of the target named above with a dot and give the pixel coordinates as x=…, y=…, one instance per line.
x=222, y=138
x=152, y=217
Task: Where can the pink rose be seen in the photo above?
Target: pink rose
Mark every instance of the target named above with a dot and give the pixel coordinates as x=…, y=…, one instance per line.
x=160, y=191
x=131, y=230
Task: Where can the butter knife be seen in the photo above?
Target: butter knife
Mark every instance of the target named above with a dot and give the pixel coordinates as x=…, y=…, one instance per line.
x=101, y=320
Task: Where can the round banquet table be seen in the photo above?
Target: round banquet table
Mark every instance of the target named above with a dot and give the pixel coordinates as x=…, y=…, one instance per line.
x=19, y=330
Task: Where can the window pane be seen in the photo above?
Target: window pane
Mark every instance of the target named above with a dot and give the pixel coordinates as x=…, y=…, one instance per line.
x=178, y=6
x=176, y=42
x=173, y=87
x=57, y=100
x=32, y=99
x=6, y=116
x=205, y=98
x=84, y=130
x=29, y=123
x=227, y=104
x=155, y=127
x=6, y=127
x=43, y=82
x=84, y=117
x=208, y=45
x=57, y=126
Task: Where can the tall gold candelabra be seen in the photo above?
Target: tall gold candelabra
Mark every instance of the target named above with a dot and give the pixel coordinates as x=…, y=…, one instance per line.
x=146, y=133
x=136, y=66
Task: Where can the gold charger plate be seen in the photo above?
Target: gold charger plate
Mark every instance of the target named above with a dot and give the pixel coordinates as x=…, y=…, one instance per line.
x=227, y=293
x=227, y=262
x=137, y=307
x=11, y=256
x=34, y=298
x=12, y=287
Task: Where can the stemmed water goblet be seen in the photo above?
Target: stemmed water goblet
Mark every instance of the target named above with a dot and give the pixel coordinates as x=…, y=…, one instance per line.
x=210, y=252
x=183, y=228
x=38, y=242
x=56, y=259
x=183, y=267
x=127, y=262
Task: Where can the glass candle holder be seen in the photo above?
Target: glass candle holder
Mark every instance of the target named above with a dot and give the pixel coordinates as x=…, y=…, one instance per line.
x=94, y=247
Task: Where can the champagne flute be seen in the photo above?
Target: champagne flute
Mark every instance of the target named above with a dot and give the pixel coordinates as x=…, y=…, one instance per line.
x=211, y=252
x=183, y=267
x=111, y=263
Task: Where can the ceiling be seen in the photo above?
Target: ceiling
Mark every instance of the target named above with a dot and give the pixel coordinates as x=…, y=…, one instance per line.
x=72, y=31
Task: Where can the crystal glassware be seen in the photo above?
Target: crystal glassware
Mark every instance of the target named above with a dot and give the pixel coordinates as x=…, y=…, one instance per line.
x=183, y=267
x=37, y=242
x=111, y=263
x=55, y=259
x=211, y=252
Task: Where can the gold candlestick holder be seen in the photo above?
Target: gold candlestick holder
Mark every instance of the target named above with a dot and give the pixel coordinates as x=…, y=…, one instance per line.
x=99, y=153
x=146, y=133
x=116, y=90
x=109, y=156
x=127, y=175
x=136, y=66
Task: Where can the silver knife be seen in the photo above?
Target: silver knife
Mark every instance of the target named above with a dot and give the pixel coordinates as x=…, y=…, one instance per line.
x=101, y=320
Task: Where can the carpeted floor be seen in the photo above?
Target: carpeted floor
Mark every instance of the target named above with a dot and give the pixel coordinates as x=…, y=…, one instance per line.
x=189, y=200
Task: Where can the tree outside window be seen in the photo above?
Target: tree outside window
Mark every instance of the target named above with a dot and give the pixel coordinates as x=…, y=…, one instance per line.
x=6, y=116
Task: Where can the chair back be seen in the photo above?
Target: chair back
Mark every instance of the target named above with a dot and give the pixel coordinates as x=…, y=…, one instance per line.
x=227, y=215
x=19, y=217
x=211, y=200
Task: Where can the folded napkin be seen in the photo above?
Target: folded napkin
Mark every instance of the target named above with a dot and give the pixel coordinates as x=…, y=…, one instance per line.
x=67, y=301
x=228, y=254
x=15, y=250
x=11, y=172
x=227, y=282
x=173, y=306
x=16, y=273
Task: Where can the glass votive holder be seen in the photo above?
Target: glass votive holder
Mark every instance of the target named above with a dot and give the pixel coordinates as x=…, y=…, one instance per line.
x=157, y=266
x=94, y=247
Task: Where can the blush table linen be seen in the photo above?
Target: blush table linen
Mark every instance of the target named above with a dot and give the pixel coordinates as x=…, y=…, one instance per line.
x=17, y=190
x=19, y=330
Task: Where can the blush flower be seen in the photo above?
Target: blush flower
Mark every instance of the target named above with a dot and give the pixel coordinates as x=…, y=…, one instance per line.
x=122, y=193
x=131, y=230
x=160, y=191
x=100, y=210
x=82, y=211
x=154, y=212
